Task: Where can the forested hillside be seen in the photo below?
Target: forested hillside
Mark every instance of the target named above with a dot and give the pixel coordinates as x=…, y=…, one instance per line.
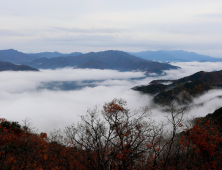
x=182, y=90
x=118, y=139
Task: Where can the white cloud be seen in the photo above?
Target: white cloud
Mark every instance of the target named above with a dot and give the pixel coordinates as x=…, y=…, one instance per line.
x=19, y=97
x=57, y=109
x=188, y=68
x=26, y=81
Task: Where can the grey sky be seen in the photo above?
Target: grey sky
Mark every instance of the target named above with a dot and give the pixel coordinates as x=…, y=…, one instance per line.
x=97, y=25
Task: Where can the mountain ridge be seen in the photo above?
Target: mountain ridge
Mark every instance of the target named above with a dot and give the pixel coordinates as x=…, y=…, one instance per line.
x=16, y=57
x=111, y=59
x=53, y=54
x=184, y=89
x=6, y=66
x=174, y=56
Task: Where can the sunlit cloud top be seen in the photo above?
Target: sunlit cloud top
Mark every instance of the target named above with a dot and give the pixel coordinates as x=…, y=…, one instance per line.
x=128, y=25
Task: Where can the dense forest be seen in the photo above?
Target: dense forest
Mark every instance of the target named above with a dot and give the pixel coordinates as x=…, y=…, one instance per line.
x=116, y=138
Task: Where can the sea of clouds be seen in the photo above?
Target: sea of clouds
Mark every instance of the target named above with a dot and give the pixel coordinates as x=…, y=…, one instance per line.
x=25, y=94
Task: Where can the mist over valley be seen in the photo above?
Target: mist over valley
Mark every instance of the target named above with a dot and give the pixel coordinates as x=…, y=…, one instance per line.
x=56, y=98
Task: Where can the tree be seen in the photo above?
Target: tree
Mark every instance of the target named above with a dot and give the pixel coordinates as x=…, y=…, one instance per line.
x=203, y=145
x=116, y=139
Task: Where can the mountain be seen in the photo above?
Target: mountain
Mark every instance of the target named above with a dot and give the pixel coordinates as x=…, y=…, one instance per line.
x=184, y=89
x=210, y=78
x=5, y=66
x=116, y=60
x=53, y=54
x=174, y=55
x=216, y=116
x=15, y=57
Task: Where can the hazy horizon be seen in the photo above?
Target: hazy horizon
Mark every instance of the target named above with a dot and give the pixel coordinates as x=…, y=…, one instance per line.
x=105, y=50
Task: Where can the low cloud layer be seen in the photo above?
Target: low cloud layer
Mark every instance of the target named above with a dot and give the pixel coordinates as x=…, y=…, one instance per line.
x=27, y=81
x=49, y=109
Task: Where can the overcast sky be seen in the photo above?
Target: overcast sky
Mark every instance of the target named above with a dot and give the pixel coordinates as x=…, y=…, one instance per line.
x=97, y=25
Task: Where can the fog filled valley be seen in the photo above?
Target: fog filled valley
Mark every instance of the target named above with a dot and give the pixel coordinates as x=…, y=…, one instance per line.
x=54, y=99
x=75, y=118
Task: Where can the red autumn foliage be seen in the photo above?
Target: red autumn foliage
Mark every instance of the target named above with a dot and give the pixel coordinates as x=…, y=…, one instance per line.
x=114, y=139
x=203, y=145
